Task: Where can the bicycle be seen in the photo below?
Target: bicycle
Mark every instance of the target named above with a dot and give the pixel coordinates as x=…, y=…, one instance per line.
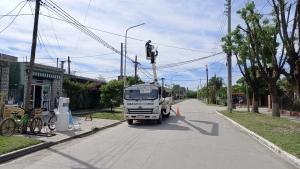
x=9, y=124
x=47, y=118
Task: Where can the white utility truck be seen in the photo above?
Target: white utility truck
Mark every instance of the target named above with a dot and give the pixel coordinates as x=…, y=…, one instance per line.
x=147, y=101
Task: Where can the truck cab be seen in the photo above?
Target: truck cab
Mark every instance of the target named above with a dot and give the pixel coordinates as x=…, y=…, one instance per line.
x=142, y=102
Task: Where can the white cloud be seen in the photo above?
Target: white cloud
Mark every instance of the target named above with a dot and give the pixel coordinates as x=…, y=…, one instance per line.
x=186, y=24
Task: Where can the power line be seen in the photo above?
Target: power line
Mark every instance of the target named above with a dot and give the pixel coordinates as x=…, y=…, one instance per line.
x=12, y=10
x=54, y=30
x=83, y=23
x=14, y=18
x=60, y=12
x=127, y=37
x=83, y=56
x=186, y=62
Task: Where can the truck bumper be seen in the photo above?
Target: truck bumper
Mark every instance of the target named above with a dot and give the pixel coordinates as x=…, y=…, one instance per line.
x=141, y=116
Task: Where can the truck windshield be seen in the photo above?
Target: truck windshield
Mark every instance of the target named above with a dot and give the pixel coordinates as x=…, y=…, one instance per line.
x=141, y=93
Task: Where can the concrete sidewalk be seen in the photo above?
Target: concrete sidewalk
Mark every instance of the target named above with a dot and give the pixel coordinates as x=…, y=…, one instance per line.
x=85, y=128
x=264, y=110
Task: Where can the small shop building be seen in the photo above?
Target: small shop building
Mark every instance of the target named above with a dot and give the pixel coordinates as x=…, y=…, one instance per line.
x=46, y=84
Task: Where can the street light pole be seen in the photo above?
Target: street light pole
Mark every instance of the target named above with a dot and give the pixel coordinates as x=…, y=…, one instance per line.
x=172, y=86
x=126, y=52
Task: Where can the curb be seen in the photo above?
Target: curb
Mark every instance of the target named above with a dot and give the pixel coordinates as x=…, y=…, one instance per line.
x=290, y=158
x=15, y=154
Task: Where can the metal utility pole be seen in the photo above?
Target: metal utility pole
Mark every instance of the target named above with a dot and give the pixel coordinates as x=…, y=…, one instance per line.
x=206, y=83
x=121, y=67
x=69, y=64
x=229, y=87
x=32, y=58
x=56, y=62
x=126, y=51
x=135, y=67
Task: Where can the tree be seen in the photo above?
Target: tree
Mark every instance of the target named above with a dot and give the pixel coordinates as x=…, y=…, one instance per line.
x=287, y=32
x=239, y=43
x=130, y=80
x=222, y=93
x=214, y=83
x=191, y=94
x=112, y=90
x=261, y=35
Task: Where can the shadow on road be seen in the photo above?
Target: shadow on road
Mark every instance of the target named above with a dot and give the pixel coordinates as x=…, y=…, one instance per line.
x=172, y=123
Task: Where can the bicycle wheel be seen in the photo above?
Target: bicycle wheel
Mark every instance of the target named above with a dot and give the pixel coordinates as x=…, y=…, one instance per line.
x=51, y=123
x=7, y=127
x=36, y=125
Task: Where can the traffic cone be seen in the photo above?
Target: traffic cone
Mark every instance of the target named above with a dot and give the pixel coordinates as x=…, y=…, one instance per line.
x=178, y=111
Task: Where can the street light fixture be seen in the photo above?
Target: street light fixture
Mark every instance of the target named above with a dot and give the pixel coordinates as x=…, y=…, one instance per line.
x=126, y=52
x=172, y=86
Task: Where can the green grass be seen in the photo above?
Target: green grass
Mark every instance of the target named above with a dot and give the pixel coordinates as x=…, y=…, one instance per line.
x=12, y=143
x=114, y=115
x=282, y=132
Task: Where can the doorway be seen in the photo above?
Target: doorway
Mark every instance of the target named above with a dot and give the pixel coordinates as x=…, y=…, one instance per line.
x=37, y=96
x=41, y=96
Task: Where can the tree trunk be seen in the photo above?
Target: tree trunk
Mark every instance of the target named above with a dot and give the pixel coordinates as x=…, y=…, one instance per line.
x=297, y=77
x=275, y=100
x=255, y=102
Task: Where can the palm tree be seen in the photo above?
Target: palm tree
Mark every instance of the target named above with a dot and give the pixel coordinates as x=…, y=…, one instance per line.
x=215, y=83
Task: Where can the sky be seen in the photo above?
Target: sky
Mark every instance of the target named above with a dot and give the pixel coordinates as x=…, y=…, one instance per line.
x=182, y=30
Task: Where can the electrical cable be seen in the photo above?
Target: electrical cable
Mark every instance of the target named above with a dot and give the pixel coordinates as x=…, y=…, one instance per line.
x=14, y=18
x=83, y=23
x=11, y=10
x=127, y=36
x=54, y=30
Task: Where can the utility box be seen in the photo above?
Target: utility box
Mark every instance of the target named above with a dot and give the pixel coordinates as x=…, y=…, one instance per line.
x=62, y=114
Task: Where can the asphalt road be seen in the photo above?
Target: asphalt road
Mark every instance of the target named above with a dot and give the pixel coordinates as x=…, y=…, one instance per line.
x=199, y=138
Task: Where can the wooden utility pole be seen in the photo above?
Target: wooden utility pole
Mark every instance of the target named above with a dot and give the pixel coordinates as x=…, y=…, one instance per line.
x=32, y=58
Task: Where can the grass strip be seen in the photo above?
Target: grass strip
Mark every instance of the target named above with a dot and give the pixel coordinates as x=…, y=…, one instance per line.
x=12, y=143
x=114, y=115
x=281, y=132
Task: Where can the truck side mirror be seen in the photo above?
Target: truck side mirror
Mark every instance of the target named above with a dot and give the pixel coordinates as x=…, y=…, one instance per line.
x=164, y=94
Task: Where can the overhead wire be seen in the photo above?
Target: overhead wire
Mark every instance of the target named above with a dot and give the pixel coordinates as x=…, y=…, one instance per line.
x=83, y=23
x=14, y=18
x=127, y=36
x=54, y=30
x=12, y=10
x=61, y=13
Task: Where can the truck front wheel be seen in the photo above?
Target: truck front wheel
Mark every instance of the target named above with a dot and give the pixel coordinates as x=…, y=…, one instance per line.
x=130, y=121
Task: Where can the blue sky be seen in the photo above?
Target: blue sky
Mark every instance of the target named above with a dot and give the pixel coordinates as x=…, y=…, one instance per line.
x=182, y=30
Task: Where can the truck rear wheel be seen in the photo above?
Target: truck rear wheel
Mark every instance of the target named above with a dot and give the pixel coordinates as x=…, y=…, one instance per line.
x=159, y=120
x=130, y=121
